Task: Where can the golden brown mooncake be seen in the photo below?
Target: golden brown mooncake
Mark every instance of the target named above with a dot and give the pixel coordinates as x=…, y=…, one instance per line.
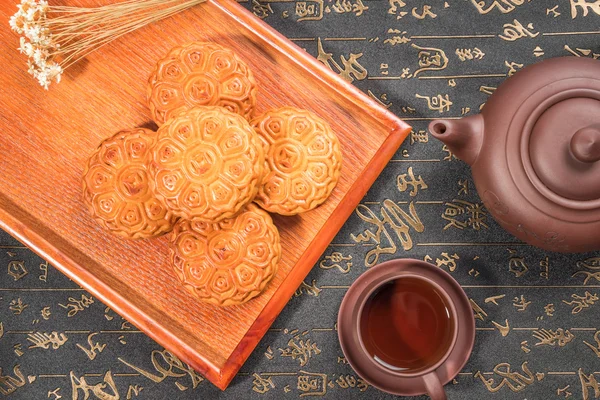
x=200, y=74
x=206, y=164
x=117, y=190
x=303, y=160
x=229, y=262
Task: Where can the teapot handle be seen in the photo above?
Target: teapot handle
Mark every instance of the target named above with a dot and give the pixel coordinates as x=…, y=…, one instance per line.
x=585, y=144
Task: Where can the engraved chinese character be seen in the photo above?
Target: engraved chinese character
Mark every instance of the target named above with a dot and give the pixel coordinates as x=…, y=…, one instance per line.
x=553, y=10
x=494, y=299
x=451, y=213
x=487, y=89
x=585, y=6
x=517, y=265
x=464, y=186
x=437, y=103
x=44, y=340
x=311, y=383
x=516, y=31
x=8, y=384
x=362, y=385
x=549, y=309
x=74, y=306
x=94, y=347
x=450, y=155
x=515, y=381
x=300, y=349
x=580, y=303
x=520, y=303
x=512, y=67
x=303, y=9
x=406, y=75
x=133, y=390
x=383, y=99
x=44, y=275
x=504, y=6
x=551, y=338
x=307, y=383
x=545, y=267
x=589, y=268
x=18, y=349
x=351, y=67
x=405, y=180
x=400, y=38
x=55, y=394
x=564, y=391
x=578, y=52
x=383, y=68
x=335, y=260
x=595, y=348
x=358, y=8
x=261, y=10
x=104, y=390
x=311, y=290
x=480, y=314
x=469, y=54
x=17, y=269
x=588, y=382
x=262, y=385
x=426, y=12
x=447, y=261
x=17, y=306
x=475, y=213
x=269, y=353
x=430, y=59
x=45, y=313
x=347, y=381
x=420, y=136
x=167, y=365
x=503, y=329
x=346, y=6
x=309, y=10
x=392, y=217
x=394, y=8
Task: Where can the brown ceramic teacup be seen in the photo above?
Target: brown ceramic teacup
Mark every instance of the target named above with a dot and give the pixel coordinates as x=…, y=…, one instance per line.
x=406, y=327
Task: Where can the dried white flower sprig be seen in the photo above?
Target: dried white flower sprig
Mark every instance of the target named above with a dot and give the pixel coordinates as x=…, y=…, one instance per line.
x=56, y=37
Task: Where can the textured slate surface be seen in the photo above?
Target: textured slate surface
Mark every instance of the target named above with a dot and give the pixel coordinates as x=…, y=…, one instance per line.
x=538, y=329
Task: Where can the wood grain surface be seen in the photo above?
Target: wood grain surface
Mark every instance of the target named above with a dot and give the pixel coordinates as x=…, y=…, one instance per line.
x=46, y=137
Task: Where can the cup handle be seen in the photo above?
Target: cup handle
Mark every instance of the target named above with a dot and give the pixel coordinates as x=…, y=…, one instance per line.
x=434, y=387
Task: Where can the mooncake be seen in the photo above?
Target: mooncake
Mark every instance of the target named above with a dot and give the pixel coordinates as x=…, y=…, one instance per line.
x=303, y=160
x=229, y=262
x=206, y=164
x=200, y=74
x=117, y=190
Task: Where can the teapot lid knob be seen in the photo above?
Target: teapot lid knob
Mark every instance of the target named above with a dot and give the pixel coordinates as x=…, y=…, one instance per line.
x=585, y=144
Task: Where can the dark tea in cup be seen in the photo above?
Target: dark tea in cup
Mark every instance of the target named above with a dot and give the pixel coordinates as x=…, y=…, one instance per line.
x=407, y=325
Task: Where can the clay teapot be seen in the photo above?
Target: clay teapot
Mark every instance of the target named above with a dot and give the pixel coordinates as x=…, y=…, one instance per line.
x=534, y=152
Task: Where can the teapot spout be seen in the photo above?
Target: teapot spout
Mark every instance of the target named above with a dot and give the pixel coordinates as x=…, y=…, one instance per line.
x=462, y=136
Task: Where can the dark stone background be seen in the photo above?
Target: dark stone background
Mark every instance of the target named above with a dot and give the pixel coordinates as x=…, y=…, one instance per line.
x=541, y=354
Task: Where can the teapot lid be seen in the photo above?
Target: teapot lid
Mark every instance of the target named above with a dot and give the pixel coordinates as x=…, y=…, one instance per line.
x=564, y=147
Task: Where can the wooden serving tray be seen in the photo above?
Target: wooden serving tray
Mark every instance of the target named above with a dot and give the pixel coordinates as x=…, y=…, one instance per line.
x=46, y=137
